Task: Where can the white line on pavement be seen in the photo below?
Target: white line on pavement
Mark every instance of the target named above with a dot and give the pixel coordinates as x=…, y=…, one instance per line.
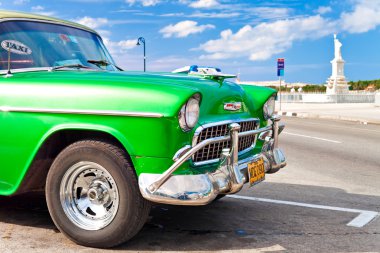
x=341, y=126
x=361, y=220
x=312, y=137
x=273, y=248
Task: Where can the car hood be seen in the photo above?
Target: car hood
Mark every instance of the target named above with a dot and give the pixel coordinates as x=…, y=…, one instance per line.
x=161, y=93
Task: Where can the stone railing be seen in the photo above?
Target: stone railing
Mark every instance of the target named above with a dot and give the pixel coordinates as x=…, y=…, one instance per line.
x=324, y=98
x=377, y=99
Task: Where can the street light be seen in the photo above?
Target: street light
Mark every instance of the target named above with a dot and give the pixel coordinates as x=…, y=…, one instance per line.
x=140, y=41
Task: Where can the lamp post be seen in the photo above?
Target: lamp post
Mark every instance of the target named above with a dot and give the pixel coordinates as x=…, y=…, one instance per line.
x=140, y=41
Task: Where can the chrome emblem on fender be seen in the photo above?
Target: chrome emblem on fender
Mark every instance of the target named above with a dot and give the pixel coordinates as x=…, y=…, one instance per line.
x=232, y=106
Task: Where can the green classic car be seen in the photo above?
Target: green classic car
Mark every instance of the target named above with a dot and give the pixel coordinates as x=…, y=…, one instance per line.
x=104, y=143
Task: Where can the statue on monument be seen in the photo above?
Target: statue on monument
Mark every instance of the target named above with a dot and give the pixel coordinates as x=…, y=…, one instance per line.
x=337, y=82
x=337, y=51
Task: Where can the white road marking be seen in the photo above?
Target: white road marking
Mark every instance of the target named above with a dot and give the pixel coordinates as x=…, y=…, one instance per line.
x=312, y=137
x=361, y=220
x=273, y=248
x=335, y=126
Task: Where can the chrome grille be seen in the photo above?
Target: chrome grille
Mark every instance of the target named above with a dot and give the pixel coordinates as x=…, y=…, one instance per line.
x=213, y=151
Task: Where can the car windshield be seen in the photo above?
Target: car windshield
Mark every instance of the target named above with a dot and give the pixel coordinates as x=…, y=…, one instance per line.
x=31, y=44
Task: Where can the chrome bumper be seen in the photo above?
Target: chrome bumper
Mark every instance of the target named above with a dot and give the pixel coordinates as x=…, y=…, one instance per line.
x=229, y=178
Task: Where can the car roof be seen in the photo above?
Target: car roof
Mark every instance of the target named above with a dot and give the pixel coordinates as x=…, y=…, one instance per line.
x=14, y=15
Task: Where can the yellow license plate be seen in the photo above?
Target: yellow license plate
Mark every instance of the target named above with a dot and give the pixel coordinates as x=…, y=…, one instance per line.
x=256, y=171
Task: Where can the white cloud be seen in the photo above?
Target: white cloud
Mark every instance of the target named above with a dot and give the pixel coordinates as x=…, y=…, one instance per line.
x=268, y=12
x=228, y=9
x=266, y=39
x=183, y=29
x=38, y=8
x=204, y=4
x=184, y=1
x=143, y=2
x=364, y=17
x=214, y=15
x=127, y=44
x=323, y=10
x=116, y=48
x=236, y=10
x=119, y=47
x=198, y=14
x=20, y=2
x=104, y=33
x=41, y=11
x=97, y=23
x=91, y=22
x=174, y=14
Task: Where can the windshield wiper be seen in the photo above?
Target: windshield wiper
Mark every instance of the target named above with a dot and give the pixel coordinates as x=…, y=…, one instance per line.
x=73, y=66
x=103, y=63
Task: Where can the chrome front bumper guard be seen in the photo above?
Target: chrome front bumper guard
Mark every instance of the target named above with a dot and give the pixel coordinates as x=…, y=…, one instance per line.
x=229, y=178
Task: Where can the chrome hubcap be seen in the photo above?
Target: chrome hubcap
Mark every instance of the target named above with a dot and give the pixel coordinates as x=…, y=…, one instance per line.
x=89, y=196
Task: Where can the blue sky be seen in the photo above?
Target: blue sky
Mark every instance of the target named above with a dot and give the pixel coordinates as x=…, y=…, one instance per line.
x=236, y=35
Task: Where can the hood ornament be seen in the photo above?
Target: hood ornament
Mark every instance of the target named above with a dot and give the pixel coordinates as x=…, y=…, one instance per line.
x=205, y=72
x=232, y=106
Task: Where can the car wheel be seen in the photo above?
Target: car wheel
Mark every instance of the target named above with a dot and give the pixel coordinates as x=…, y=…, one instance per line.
x=93, y=195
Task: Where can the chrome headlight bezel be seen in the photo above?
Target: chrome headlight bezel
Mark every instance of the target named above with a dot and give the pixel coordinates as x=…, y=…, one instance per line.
x=189, y=114
x=269, y=107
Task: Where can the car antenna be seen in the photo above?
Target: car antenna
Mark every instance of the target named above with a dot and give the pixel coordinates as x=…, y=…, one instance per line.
x=9, y=73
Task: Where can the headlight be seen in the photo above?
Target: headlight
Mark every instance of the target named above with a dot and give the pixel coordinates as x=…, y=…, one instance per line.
x=269, y=108
x=189, y=113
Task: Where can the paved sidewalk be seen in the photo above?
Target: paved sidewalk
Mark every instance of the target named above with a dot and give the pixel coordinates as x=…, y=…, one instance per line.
x=364, y=113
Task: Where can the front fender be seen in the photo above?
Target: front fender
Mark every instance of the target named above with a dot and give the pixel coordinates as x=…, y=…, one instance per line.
x=258, y=95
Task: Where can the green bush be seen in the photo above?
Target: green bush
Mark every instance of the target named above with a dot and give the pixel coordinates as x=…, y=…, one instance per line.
x=307, y=88
x=361, y=85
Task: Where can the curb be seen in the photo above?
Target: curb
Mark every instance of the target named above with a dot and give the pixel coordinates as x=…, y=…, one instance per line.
x=332, y=117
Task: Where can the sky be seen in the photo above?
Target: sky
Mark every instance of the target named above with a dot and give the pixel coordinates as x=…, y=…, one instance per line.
x=238, y=36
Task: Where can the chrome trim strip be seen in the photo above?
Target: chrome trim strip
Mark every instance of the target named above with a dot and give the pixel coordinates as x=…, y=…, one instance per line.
x=202, y=127
x=23, y=70
x=49, y=69
x=82, y=112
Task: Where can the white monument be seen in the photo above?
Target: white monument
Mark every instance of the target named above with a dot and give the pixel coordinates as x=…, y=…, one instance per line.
x=337, y=82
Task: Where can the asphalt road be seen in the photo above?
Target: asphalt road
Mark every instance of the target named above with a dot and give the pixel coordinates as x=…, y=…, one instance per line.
x=333, y=171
